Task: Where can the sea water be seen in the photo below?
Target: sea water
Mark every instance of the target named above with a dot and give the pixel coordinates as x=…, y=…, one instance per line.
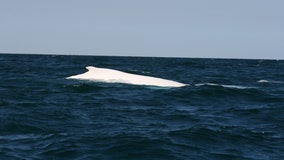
x=230, y=109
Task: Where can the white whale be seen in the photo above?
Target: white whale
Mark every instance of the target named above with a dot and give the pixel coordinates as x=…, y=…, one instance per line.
x=115, y=76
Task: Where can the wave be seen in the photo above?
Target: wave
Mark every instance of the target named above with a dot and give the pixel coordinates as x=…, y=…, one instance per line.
x=268, y=81
x=225, y=86
x=83, y=87
x=24, y=137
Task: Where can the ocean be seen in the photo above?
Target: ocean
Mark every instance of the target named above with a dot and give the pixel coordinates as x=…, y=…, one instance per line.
x=230, y=110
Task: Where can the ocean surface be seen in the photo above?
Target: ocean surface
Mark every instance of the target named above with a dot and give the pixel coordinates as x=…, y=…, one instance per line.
x=230, y=109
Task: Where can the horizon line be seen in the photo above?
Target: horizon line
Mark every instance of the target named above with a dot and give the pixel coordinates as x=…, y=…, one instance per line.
x=138, y=56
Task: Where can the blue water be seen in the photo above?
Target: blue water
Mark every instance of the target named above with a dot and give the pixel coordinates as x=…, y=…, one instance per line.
x=232, y=109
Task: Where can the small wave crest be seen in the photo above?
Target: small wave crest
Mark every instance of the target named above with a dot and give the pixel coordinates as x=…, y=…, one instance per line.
x=268, y=81
x=225, y=86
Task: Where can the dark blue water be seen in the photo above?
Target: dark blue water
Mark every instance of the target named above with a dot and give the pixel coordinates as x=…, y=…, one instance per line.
x=225, y=113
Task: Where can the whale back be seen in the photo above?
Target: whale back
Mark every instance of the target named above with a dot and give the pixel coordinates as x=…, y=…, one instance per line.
x=115, y=76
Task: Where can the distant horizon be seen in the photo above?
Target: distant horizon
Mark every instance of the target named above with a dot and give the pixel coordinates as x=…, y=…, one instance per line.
x=106, y=55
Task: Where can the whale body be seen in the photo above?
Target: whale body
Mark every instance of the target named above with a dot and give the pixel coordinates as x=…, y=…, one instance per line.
x=115, y=76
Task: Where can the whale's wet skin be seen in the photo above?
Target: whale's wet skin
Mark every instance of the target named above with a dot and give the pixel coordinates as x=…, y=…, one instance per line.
x=115, y=76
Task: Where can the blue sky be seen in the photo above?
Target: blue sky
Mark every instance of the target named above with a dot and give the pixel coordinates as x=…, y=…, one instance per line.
x=166, y=28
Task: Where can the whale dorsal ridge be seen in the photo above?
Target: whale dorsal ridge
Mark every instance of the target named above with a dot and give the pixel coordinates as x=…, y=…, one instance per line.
x=89, y=68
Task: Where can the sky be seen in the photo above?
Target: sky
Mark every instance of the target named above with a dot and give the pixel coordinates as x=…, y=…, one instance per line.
x=251, y=29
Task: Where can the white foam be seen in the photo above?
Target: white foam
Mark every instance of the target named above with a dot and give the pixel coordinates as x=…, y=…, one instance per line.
x=222, y=85
x=267, y=81
x=236, y=86
x=115, y=76
x=262, y=81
